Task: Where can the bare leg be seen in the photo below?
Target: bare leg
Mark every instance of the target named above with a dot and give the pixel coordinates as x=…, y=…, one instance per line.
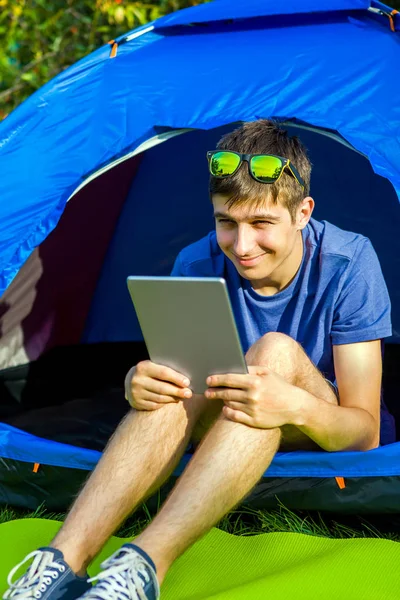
x=229, y=461
x=141, y=455
x=285, y=356
x=145, y=450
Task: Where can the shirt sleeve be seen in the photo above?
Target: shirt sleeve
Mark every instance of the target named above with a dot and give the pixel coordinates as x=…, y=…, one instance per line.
x=177, y=269
x=201, y=259
x=362, y=309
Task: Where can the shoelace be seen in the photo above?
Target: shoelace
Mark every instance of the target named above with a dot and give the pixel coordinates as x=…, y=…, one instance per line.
x=120, y=579
x=34, y=583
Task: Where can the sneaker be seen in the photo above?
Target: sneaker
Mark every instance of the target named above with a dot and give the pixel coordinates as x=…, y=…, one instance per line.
x=129, y=574
x=49, y=576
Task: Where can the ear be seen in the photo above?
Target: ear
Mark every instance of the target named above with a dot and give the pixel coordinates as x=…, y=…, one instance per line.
x=304, y=212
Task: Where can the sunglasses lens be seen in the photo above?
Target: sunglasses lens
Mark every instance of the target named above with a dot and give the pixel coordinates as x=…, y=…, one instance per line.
x=266, y=168
x=223, y=164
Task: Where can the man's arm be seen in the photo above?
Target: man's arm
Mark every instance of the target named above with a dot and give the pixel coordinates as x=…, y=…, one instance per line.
x=354, y=425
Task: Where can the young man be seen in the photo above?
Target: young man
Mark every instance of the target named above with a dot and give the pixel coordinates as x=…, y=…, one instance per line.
x=311, y=307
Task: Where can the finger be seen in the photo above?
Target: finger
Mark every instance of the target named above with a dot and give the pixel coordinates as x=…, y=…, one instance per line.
x=148, y=396
x=143, y=405
x=226, y=394
x=231, y=380
x=162, y=388
x=242, y=406
x=161, y=372
x=237, y=416
x=149, y=401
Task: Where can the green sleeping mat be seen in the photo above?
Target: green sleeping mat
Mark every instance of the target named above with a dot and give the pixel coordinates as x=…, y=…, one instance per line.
x=272, y=565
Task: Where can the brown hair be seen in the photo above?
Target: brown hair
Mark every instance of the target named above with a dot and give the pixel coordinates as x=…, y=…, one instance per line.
x=264, y=137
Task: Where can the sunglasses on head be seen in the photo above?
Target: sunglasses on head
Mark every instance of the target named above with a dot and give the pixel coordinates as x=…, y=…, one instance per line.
x=265, y=168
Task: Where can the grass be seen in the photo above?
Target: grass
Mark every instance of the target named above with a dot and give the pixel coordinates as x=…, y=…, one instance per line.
x=247, y=521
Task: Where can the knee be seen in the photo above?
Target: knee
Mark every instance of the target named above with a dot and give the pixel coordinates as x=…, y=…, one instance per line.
x=273, y=348
x=206, y=419
x=180, y=411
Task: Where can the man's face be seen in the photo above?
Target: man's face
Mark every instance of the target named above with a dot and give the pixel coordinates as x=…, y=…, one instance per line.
x=262, y=241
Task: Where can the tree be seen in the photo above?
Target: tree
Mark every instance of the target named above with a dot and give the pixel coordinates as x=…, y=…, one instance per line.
x=40, y=38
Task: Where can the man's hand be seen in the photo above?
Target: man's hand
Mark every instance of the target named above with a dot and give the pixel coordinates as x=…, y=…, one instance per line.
x=261, y=398
x=149, y=386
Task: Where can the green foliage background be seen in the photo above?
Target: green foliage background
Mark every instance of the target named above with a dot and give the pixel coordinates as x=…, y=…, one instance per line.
x=40, y=38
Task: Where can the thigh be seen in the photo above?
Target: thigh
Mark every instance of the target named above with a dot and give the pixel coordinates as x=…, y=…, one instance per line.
x=294, y=439
x=283, y=355
x=316, y=384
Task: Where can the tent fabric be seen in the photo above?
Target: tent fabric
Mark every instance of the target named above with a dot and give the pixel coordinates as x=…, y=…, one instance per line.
x=231, y=9
x=223, y=566
x=384, y=461
x=86, y=117
x=167, y=77
x=48, y=303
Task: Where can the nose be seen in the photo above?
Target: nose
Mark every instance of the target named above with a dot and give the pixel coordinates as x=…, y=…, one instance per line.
x=244, y=241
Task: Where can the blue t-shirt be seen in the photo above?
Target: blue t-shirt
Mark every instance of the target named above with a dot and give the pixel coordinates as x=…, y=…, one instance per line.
x=338, y=295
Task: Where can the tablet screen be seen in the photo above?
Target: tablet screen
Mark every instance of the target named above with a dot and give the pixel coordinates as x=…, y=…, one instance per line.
x=188, y=324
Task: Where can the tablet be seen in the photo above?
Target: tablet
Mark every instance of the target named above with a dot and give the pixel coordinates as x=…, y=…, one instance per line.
x=188, y=324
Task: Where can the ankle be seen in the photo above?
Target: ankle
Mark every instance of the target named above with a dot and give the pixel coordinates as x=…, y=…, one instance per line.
x=161, y=562
x=77, y=562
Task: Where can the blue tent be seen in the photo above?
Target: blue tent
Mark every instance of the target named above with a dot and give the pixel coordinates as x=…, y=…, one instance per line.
x=110, y=155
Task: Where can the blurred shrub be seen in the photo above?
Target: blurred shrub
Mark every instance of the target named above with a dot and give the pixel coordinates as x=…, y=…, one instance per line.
x=40, y=38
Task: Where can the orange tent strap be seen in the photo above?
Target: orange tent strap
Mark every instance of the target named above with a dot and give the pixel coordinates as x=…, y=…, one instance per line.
x=392, y=27
x=114, y=48
x=340, y=482
x=36, y=467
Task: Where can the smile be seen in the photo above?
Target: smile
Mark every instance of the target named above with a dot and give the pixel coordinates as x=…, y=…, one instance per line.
x=249, y=262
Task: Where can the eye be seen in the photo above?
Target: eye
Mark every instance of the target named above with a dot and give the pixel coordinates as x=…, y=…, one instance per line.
x=262, y=222
x=225, y=221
